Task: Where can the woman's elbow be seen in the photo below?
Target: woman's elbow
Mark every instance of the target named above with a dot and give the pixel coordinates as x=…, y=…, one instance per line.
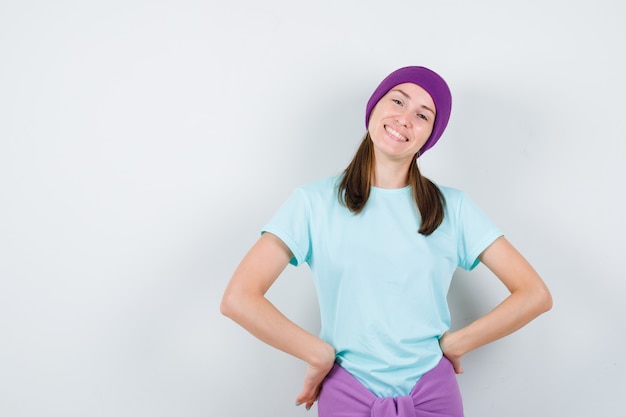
x=229, y=304
x=239, y=304
x=543, y=300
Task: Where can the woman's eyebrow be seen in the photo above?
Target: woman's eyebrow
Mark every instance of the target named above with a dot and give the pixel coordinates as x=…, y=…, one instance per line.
x=409, y=97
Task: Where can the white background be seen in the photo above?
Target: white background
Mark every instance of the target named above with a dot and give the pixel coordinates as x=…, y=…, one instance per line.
x=143, y=144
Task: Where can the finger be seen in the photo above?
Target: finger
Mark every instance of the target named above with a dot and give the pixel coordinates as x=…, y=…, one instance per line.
x=302, y=400
x=307, y=404
x=310, y=403
x=458, y=368
x=308, y=394
x=305, y=398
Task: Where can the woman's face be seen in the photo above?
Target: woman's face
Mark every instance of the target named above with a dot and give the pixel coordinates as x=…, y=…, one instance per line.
x=401, y=122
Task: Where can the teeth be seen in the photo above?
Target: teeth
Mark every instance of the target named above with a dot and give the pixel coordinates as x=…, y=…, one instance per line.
x=396, y=134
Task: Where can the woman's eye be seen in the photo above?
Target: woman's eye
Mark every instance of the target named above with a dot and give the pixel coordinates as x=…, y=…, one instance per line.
x=422, y=116
x=395, y=100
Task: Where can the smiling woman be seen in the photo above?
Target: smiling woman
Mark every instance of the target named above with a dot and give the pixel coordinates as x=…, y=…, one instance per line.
x=401, y=123
x=367, y=169
x=383, y=242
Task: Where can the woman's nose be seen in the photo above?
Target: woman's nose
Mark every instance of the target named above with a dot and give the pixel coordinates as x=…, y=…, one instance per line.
x=403, y=118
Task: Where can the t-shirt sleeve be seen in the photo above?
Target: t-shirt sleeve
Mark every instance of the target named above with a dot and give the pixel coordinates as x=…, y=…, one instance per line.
x=475, y=232
x=291, y=223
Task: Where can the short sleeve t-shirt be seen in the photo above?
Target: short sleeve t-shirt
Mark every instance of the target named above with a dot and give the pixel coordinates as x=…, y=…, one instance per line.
x=381, y=285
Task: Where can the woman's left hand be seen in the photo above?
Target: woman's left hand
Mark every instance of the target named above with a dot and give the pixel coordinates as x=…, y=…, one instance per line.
x=447, y=345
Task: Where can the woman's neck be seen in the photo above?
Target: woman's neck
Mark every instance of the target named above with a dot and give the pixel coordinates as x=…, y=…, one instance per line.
x=390, y=174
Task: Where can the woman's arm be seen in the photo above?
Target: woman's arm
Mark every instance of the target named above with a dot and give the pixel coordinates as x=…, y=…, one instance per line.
x=528, y=299
x=244, y=301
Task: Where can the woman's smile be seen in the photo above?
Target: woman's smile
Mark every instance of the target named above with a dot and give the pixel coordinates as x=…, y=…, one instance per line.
x=395, y=134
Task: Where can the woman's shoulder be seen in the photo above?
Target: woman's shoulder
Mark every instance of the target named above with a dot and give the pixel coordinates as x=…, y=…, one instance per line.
x=451, y=193
x=459, y=203
x=456, y=200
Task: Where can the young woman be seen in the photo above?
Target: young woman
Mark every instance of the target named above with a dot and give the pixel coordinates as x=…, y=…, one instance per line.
x=383, y=242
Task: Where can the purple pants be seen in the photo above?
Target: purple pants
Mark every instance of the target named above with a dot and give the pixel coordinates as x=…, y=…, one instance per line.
x=436, y=394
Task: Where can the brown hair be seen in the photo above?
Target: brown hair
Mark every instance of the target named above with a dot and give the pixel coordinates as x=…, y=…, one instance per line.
x=356, y=182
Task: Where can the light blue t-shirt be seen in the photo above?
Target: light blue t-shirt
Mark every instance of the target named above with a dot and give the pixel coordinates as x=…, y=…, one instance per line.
x=381, y=285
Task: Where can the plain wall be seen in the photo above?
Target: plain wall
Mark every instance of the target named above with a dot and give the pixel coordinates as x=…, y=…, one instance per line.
x=143, y=144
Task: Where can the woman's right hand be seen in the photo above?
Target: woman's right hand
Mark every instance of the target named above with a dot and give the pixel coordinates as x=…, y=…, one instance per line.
x=313, y=378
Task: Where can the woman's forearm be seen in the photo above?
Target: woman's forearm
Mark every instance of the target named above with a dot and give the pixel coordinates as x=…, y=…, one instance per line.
x=517, y=310
x=244, y=301
x=263, y=320
x=528, y=299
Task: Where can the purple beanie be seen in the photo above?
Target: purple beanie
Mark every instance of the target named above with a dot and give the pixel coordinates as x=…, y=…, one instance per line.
x=429, y=81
